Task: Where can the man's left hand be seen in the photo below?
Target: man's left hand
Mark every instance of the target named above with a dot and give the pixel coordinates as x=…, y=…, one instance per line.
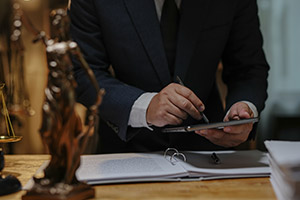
x=231, y=136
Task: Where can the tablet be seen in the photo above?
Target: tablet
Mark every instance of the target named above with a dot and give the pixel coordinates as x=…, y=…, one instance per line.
x=217, y=125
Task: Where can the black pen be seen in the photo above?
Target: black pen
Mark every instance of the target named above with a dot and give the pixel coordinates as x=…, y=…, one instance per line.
x=215, y=158
x=201, y=113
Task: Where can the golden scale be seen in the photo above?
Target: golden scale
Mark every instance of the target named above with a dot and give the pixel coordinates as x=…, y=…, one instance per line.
x=10, y=137
x=9, y=183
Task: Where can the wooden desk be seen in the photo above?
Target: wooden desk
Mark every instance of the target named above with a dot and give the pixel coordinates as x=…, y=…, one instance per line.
x=24, y=166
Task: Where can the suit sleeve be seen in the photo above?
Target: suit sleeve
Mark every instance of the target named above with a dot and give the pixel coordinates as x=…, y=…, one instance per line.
x=245, y=66
x=119, y=97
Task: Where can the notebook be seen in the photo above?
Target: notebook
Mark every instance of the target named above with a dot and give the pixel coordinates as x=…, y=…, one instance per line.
x=171, y=166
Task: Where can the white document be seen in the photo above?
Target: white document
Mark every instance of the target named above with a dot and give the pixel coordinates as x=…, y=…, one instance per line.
x=285, y=153
x=145, y=167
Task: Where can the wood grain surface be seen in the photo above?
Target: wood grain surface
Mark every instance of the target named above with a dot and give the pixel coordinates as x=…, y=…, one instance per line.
x=25, y=166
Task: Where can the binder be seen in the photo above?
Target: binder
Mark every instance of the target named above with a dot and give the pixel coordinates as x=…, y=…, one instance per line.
x=171, y=165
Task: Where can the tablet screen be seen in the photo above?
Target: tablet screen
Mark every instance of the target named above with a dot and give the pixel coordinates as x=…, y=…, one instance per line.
x=217, y=125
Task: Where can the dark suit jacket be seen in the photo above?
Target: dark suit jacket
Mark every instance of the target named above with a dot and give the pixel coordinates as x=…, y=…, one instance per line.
x=126, y=34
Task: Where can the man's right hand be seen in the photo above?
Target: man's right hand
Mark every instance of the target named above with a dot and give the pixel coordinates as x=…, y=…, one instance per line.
x=172, y=105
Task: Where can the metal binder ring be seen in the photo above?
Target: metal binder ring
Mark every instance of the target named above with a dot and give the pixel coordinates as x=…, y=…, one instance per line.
x=168, y=150
x=172, y=159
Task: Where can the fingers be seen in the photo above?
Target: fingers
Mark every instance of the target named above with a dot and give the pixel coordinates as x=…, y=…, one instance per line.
x=171, y=119
x=176, y=112
x=190, y=95
x=187, y=101
x=231, y=136
x=172, y=105
x=228, y=137
x=225, y=139
x=161, y=112
x=185, y=105
x=239, y=110
x=238, y=129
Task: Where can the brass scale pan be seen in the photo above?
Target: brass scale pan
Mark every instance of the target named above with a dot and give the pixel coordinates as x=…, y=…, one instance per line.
x=8, y=138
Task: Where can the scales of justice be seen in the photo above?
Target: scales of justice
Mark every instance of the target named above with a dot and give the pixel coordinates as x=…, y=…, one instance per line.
x=10, y=137
x=14, y=102
x=61, y=130
x=8, y=184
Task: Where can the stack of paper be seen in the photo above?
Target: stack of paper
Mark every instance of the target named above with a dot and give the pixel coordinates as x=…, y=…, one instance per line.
x=284, y=159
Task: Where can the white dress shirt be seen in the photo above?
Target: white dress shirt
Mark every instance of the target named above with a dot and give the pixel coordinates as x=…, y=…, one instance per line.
x=137, y=117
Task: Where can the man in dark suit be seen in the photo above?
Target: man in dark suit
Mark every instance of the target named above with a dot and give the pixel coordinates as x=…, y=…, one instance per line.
x=146, y=57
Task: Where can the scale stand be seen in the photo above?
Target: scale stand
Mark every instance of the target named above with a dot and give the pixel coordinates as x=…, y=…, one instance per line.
x=8, y=184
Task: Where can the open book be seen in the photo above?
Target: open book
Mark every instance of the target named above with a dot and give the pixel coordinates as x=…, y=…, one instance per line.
x=148, y=167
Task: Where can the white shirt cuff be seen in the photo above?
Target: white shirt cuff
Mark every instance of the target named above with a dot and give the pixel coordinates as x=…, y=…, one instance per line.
x=252, y=107
x=137, y=117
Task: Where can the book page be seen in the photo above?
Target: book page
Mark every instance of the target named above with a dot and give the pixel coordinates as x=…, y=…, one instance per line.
x=232, y=163
x=127, y=166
